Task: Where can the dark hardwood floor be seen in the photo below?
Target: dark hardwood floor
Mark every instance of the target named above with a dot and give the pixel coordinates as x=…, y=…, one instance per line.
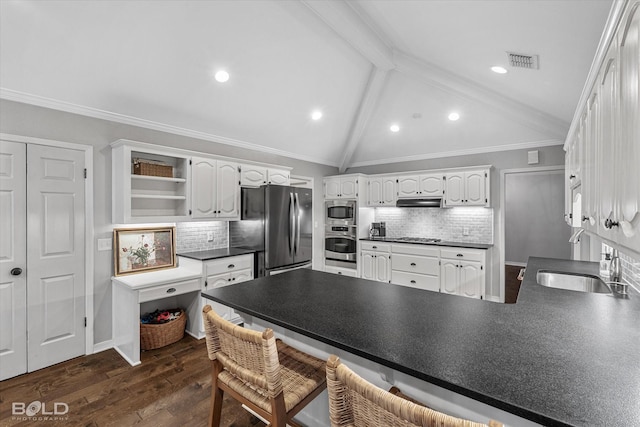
x=511, y=283
x=171, y=387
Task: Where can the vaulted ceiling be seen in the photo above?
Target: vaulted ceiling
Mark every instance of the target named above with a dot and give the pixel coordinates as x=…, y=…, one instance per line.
x=366, y=64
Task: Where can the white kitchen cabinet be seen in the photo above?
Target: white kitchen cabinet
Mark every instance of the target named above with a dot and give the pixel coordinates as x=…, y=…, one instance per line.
x=609, y=131
x=376, y=261
x=141, y=198
x=463, y=272
x=469, y=188
x=224, y=272
x=215, y=192
x=417, y=186
x=628, y=158
x=381, y=191
x=257, y=175
x=417, y=266
x=341, y=187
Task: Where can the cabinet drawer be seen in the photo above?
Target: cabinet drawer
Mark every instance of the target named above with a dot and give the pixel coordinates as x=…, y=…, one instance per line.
x=375, y=246
x=415, y=264
x=422, y=281
x=351, y=272
x=229, y=264
x=463, y=254
x=169, y=290
x=425, y=250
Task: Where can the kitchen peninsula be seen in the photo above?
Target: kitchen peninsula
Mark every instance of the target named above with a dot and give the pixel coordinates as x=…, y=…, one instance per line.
x=556, y=357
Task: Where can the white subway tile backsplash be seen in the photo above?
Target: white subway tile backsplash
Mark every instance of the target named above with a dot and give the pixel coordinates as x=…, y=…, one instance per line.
x=445, y=224
x=192, y=236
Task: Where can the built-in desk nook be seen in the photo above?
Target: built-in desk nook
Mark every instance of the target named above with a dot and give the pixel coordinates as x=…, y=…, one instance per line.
x=137, y=294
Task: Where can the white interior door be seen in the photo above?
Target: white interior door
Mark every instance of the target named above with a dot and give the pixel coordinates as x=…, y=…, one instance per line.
x=13, y=255
x=56, y=255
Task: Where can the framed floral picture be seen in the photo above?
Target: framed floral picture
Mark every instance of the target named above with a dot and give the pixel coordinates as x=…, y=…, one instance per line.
x=138, y=250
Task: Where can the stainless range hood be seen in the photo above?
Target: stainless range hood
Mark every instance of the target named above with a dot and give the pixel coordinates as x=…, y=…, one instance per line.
x=431, y=202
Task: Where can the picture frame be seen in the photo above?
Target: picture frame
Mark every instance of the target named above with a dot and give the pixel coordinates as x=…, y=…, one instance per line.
x=139, y=250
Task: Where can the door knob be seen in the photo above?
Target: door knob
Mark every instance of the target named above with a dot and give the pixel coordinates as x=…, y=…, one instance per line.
x=16, y=271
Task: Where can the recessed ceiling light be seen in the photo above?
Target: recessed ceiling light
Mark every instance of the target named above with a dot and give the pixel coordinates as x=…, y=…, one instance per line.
x=499, y=70
x=454, y=116
x=394, y=128
x=221, y=76
x=316, y=115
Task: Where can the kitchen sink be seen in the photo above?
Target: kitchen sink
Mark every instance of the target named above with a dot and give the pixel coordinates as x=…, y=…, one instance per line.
x=572, y=282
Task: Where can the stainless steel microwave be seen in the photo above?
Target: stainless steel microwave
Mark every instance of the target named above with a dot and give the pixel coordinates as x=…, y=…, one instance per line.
x=340, y=212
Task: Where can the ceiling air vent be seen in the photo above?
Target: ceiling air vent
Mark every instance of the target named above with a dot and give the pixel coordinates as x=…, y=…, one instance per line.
x=520, y=60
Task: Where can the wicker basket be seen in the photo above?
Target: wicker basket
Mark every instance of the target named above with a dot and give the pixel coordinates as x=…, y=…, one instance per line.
x=161, y=334
x=151, y=168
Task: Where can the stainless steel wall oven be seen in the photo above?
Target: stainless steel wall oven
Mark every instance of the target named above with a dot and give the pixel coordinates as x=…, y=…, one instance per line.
x=340, y=243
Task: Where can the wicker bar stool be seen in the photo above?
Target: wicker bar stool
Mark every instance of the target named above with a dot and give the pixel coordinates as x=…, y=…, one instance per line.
x=355, y=402
x=268, y=376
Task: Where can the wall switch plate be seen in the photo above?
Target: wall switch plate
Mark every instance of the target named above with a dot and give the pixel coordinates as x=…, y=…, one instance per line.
x=209, y=236
x=105, y=244
x=465, y=231
x=532, y=157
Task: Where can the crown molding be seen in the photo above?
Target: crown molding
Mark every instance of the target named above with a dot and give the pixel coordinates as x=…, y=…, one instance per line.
x=447, y=81
x=54, y=104
x=369, y=101
x=482, y=150
x=346, y=22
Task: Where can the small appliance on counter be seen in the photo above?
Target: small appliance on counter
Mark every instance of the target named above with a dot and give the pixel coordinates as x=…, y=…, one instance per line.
x=378, y=230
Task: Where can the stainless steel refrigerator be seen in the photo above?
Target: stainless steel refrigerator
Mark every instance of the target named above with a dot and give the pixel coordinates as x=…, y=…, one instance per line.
x=276, y=221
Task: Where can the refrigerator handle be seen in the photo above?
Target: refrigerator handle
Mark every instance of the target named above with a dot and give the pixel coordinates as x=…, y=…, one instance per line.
x=297, y=210
x=292, y=224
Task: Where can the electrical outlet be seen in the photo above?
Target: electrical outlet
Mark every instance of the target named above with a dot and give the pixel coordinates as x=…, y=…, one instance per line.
x=465, y=231
x=104, y=244
x=209, y=236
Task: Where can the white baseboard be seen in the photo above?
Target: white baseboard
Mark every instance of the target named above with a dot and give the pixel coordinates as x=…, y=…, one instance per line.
x=102, y=346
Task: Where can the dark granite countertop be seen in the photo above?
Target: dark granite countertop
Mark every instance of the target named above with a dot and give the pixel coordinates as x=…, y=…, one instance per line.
x=216, y=253
x=441, y=243
x=556, y=357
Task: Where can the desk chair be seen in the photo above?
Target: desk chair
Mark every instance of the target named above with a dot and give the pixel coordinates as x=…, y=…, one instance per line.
x=355, y=402
x=271, y=378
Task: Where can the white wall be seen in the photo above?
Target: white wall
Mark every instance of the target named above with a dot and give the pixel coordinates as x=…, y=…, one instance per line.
x=32, y=121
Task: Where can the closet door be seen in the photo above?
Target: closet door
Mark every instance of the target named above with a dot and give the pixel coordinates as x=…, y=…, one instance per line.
x=13, y=256
x=56, y=255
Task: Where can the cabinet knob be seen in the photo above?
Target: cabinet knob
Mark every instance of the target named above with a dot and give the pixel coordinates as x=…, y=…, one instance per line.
x=413, y=264
x=571, y=176
x=413, y=281
x=171, y=290
x=374, y=247
x=16, y=271
x=609, y=223
x=585, y=218
x=231, y=266
x=229, y=279
x=459, y=255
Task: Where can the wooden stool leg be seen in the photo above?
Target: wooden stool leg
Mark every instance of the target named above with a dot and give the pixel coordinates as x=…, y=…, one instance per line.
x=216, y=395
x=278, y=412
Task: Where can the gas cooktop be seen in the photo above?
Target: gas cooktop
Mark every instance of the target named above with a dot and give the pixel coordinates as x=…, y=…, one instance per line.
x=419, y=239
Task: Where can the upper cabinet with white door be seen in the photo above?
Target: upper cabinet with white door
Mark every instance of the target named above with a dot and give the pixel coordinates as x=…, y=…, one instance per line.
x=215, y=193
x=606, y=139
x=419, y=186
x=468, y=188
x=343, y=187
x=257, y=175
x=381, y=191
x=151, y=183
